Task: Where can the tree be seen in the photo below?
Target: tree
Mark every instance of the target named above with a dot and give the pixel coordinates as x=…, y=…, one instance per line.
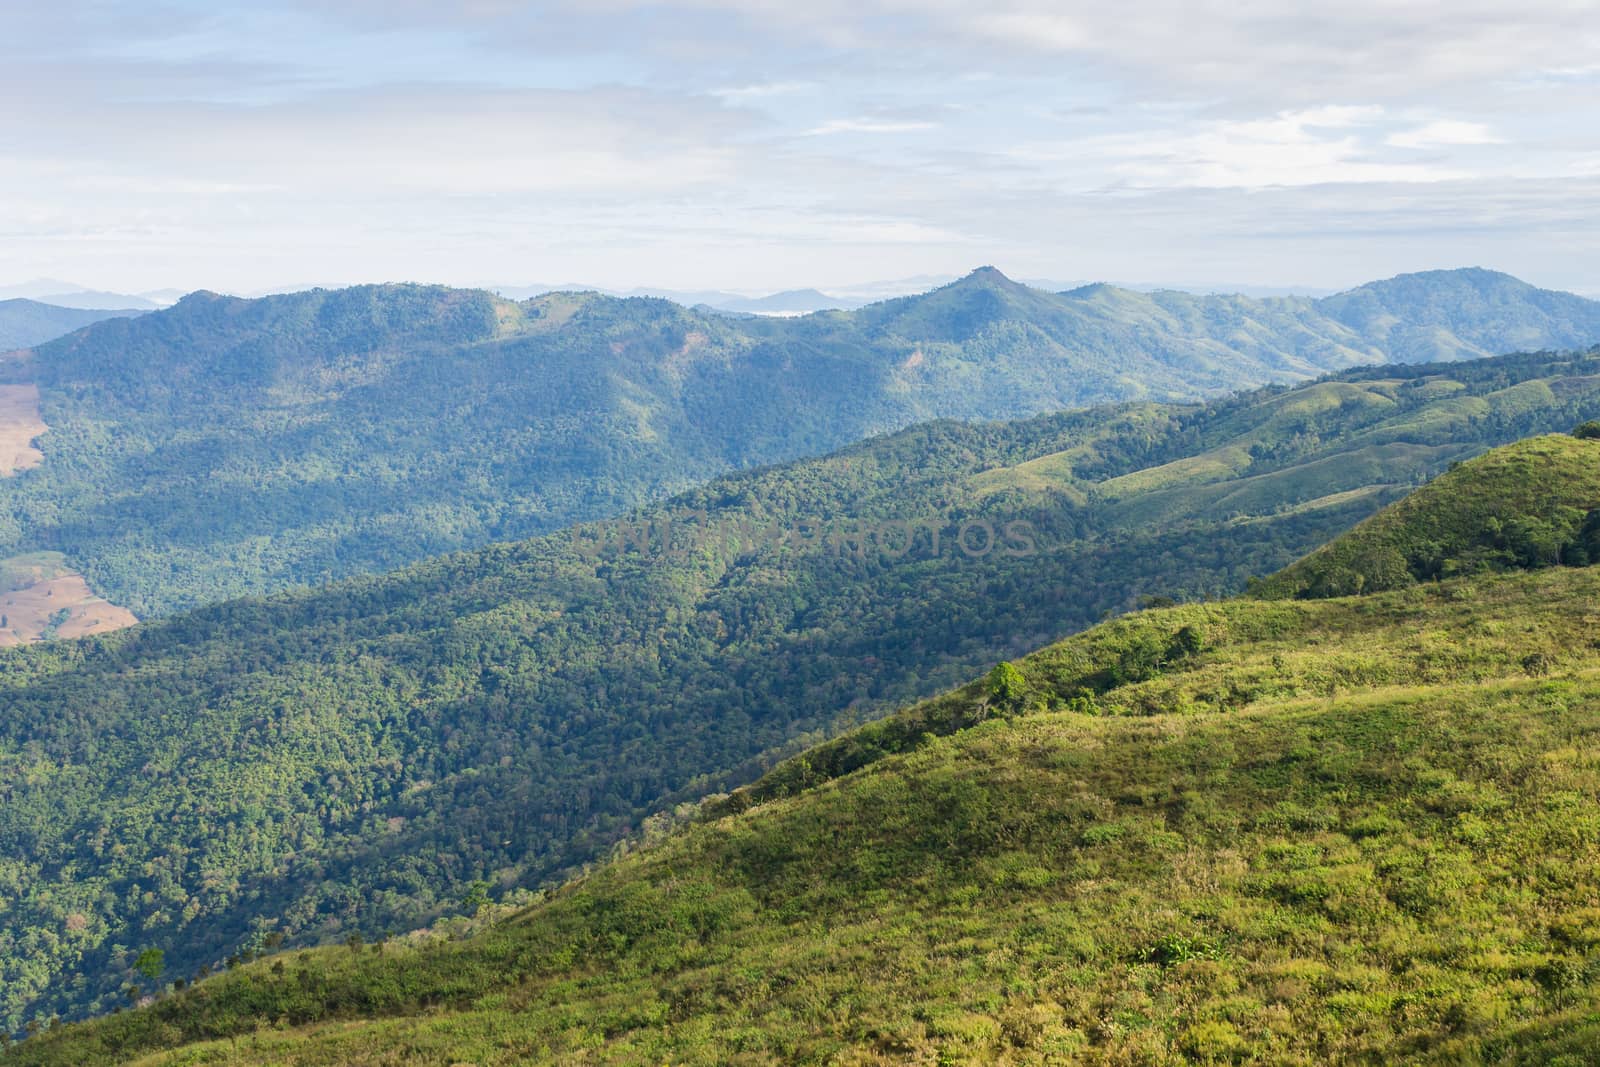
x=1589, y=431
x=1187, y=642
x=150, y=963
x=1007, y=686
x=476, y=897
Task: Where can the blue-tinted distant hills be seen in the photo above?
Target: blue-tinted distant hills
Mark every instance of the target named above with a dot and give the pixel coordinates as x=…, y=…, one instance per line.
x=25, y=323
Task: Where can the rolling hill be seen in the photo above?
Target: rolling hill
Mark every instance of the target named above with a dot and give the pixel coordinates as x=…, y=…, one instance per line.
x=1357, y=830
x=225, y=447
x=353, y=759
x=1511, y=508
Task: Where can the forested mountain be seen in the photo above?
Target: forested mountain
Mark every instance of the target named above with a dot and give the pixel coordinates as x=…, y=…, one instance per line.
x=24, y=323
x=225, y=447
x=1458, y=314
x=353, y=758
x=1298, y=832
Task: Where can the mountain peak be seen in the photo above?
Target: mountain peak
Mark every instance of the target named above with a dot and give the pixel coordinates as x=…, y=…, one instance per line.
x=988, y=276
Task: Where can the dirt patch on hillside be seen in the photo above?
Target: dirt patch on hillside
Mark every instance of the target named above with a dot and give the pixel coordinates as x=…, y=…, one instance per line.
x=41, y=599
x=19, y=425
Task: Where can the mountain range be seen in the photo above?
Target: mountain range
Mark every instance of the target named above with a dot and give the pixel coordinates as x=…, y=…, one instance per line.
x=226, y=447
x=355, y=758
x=1354, y=829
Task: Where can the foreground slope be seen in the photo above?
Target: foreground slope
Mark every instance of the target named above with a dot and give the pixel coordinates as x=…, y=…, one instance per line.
x=225, y=447
x=1297, y=832
x=354, y=759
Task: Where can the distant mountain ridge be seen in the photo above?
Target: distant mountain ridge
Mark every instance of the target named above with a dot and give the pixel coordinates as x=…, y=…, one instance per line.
x=25, y=323
x=225, y=446
x=1420, y=318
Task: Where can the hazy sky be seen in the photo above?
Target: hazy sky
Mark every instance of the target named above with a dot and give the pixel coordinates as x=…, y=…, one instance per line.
x=760, y=144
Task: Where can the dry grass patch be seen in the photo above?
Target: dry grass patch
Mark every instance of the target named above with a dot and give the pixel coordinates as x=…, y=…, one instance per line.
x=20, y=423
x=40, y=597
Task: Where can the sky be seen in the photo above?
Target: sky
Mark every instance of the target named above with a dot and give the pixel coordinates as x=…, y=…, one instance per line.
x=756, y=145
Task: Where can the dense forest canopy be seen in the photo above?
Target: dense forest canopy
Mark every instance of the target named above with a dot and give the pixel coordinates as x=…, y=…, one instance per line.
x=356, y=758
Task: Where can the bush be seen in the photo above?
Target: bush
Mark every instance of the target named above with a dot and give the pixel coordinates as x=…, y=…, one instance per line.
x=1589, y=431
x=1007, y=686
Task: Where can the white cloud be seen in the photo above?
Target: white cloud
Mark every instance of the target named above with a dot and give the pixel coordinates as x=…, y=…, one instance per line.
x=745, y=93
x=1443, y=133
x=1047, y=30
x=719, y=141
x=1332, y=144
x=866, y=125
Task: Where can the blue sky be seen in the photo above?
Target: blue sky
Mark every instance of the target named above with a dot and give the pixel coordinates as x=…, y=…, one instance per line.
x=755, y=144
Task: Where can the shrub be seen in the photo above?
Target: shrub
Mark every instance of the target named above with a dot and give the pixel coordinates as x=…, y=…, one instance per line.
x=1007, y=687
x=1174, y=949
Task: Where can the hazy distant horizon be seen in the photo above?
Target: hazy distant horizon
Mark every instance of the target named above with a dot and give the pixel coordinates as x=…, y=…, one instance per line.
x=850, y=295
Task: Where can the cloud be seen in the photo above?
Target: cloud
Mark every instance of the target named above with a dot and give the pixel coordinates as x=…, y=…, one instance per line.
x=1445, y=132
x=1332, y=144
x=725, y=141
x=762, y=91
x=865, y=125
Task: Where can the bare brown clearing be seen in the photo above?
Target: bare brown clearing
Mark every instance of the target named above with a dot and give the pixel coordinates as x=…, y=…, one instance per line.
x=19, y=425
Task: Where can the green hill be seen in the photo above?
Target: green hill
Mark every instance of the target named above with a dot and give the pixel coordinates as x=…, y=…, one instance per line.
x=1535, y=504
x=1291, y=832
x=353, y=759
x=226, y=447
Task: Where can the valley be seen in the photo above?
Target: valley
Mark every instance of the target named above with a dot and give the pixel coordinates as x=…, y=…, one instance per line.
x=352, y=759
x=1306, y=830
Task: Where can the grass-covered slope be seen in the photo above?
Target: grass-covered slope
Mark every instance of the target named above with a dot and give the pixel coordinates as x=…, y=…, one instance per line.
x=1361, y=830
x=354, y=759
x=226, y=447
x=1533, y=504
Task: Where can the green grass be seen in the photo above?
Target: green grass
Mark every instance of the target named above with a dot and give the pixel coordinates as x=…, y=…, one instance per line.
x=1358, y=830
x=1529, y=504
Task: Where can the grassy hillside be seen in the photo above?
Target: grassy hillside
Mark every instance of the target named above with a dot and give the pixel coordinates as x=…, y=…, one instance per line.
x=354, y=759
x=1360, y=830
x=1536, y=504
x=226, y=447
x=25, y=323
